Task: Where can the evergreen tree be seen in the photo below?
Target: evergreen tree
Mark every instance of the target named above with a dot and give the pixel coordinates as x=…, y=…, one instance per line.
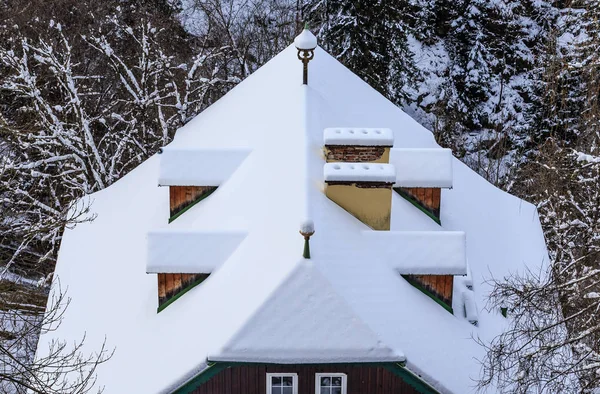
x=370, y=38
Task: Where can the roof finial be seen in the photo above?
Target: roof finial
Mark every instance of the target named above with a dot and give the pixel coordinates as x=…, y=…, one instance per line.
x=306, y=43
x=307, y=228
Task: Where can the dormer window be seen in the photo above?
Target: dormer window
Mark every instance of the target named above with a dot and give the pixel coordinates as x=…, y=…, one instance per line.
x=282, y=383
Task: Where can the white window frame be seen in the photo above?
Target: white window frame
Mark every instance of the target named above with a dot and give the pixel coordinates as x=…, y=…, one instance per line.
x=319, y=375
x=294, y=377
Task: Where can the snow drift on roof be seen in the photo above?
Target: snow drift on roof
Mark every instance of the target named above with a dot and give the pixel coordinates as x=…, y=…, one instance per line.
x=198, y=167
x=421, y=252
x=190, y=251
x=422, y=167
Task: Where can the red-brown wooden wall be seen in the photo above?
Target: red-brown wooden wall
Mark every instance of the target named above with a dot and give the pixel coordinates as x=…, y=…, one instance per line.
x=251, y=379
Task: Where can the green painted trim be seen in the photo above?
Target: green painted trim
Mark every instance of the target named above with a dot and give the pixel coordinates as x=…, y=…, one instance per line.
x=203, y=377
x=181, y=293
x=202, y=197
x=416, y=203
x=428, y=293
x=397, y=369
x=411, y=378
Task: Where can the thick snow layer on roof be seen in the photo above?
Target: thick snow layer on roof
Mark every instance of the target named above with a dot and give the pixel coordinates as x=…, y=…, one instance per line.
x=190, y=251
x=198, y=167
x=358, y=136
x=422, y=167
x=359, y=172
x=305, y=40
x=271, y=192
x=421, y=252
x=306, y=321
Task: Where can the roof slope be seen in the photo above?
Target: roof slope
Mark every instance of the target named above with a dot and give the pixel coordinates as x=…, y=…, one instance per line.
x=277, y=186
x=304, y=321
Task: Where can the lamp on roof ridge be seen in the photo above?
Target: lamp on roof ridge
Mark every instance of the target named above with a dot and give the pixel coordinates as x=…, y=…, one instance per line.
x=307, y=228
x=306, y=43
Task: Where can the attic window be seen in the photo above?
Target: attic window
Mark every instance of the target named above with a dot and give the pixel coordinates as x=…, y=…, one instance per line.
x=282, y=383
x=330, y=383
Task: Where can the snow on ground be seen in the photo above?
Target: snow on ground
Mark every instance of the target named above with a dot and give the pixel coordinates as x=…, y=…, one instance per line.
x=273, y=190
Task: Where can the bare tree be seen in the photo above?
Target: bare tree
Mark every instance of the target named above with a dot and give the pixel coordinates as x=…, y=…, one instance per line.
x=84, y=110
x=62, y=368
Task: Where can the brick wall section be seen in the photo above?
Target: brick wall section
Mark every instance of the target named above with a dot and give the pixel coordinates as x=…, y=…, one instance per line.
x=354, y=154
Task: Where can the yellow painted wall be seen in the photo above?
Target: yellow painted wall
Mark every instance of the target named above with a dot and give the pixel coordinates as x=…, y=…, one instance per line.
x=372, y=206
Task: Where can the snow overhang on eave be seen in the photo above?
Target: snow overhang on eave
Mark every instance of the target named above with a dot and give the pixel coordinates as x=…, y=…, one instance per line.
x=198, y=167
x=421, y=252
x=431, y=167
x=190, y=251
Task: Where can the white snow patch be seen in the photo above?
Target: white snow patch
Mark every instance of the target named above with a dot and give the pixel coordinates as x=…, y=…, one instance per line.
x=359, y=172
x=420, y=252
x=190, y=251
x=305, y=40
x=422, y=167
x=358, y=136
x=198, y=167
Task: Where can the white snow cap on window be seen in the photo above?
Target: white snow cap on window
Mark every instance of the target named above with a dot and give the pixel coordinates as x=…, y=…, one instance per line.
x=359, y=136
x=470, y=307
x=421, y=252
x=198, y=167
x=306, y=40
x=359, y=172
x=189, y=251
x=422, y=167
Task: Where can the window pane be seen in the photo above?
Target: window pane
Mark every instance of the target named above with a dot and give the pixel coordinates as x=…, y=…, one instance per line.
x=325, y=381
x=287, y=381
x=287, y=390
x=325, y=390
x=276, y=380
x=276, y=390
x=336, y=381
x=336, y=390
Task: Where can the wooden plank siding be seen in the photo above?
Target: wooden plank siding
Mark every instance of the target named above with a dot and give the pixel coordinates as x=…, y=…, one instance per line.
x=170, y=285
x=251, y=379
x=439, y=285
x=428, y=198
x=181, y=197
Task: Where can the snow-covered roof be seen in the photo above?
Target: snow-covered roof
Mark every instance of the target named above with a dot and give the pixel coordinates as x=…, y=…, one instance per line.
x=306, y=320
x=417, y=167
x=198, y=167
x=421, y=252
x=358, y=136
x=266, y=196
x=190, y=251
x=359, y=172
